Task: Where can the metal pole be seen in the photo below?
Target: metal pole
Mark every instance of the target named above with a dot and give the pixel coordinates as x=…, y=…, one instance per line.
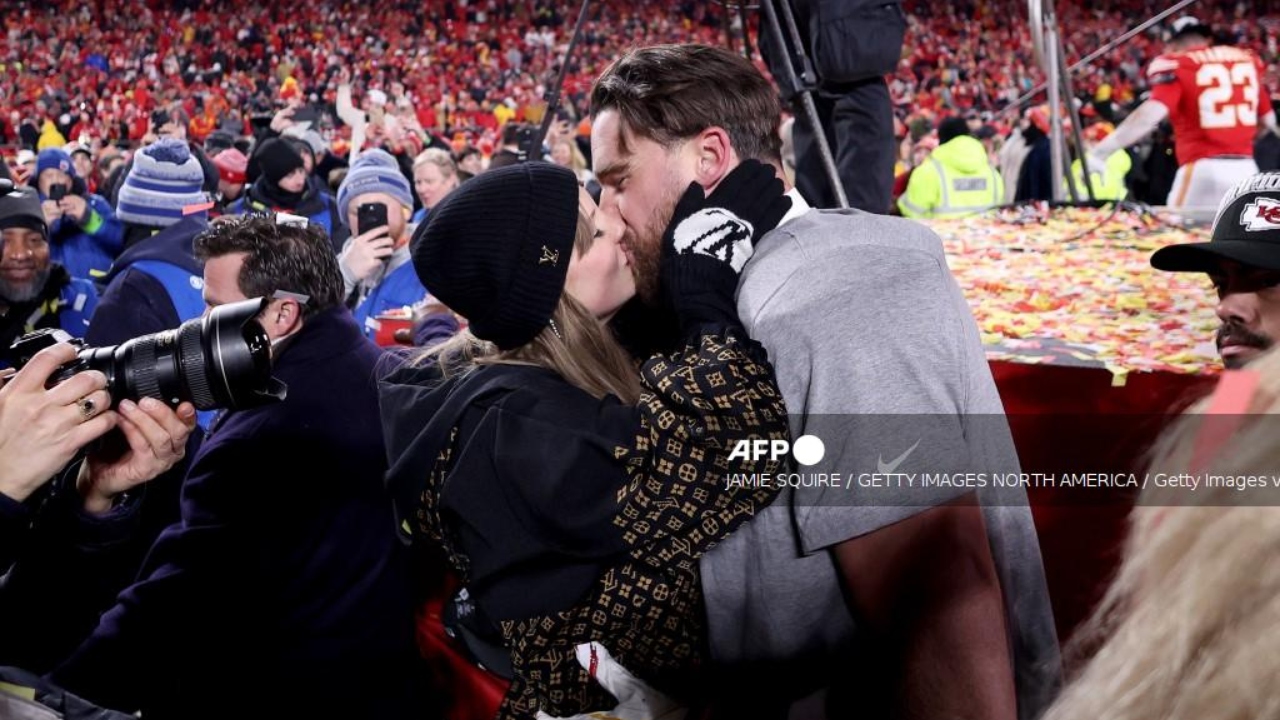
x=553, y=96
x=806, y=95
x=746, y=35
x=1076, y=128
x=1051, y=69
x=1088, y=59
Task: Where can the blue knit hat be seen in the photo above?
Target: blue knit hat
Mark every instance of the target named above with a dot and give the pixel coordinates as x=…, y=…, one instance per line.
x=374, y=171
x=164, y=181
x=55, y=159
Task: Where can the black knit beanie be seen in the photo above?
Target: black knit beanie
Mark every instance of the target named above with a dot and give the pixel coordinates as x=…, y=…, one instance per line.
x=273, y=161
x=497, y=249
x=20, y=207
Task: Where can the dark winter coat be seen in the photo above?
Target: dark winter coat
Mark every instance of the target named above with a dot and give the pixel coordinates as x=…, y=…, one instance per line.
x=282, y=593
x=564, y=513
x=137, y=303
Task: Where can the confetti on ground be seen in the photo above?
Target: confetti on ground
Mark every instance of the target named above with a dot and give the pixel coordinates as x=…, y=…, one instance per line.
x=1078, y=283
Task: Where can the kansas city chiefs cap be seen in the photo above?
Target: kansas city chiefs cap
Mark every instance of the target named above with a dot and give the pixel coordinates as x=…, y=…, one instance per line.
x=1246, y=230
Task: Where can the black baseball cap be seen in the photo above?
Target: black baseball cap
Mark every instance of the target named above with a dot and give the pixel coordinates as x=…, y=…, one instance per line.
x=1246, y=230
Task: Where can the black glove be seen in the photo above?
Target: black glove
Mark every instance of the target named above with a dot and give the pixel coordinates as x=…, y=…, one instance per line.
x=710, y=239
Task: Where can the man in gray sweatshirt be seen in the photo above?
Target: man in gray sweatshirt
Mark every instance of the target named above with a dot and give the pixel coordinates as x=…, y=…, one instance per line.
x=860, y=595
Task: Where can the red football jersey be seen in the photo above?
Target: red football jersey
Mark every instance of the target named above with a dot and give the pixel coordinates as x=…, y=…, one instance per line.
x=1215, y=99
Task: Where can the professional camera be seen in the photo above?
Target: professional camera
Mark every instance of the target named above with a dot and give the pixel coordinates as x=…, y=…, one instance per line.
x=221, y=360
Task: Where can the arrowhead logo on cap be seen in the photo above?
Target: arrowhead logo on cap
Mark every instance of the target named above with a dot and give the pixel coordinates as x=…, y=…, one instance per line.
x=1261, y=215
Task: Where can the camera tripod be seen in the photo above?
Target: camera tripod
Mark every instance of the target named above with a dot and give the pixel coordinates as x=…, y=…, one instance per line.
x=803, y=82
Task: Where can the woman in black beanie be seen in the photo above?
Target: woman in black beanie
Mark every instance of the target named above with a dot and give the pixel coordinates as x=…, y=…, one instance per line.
x=573, y=494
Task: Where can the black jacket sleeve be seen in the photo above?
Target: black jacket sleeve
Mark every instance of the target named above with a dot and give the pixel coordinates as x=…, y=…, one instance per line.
x=192, y=565
x=65, y=566
x=15, y=521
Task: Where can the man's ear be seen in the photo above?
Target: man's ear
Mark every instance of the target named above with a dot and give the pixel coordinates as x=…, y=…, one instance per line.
x=714, y=156
x=282, y=318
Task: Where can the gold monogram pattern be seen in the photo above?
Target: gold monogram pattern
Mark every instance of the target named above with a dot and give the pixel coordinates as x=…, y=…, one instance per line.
x=697, y=405
x=549, y=256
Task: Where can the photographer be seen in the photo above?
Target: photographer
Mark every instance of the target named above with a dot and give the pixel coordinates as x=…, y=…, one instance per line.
x=285, y=569
x=58, y=534
x=84, y=232
x=35, y=291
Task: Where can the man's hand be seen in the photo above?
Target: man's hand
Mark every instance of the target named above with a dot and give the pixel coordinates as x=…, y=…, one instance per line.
x=367, y=253
x=42, y=430
x=283, y=120
x=155, y=439
x=75, y=208
x=52, y=211
x=636, y=699
x=170, y=130
x=1093, y=164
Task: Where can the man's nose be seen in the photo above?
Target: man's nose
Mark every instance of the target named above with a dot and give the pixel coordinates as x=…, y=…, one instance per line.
x=1241, y=307
x=608, y=200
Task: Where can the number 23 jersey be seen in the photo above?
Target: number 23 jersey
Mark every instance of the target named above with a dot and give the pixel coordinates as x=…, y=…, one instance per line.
x=1215, y=99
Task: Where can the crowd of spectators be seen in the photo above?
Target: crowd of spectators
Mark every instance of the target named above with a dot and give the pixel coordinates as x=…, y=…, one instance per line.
x=459, y=70
x=100, y=69
x=977, y=55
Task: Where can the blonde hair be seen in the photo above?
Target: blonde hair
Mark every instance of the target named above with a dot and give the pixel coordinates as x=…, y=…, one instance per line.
x=585, y=353
x=1189, y=629
x=577, y=162
x=440, y=158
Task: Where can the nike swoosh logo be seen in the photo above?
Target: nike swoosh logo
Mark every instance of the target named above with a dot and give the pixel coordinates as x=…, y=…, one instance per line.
x=885, y=468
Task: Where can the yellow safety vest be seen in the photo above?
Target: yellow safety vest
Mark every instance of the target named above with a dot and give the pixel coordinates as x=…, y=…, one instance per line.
x=940, y=189
x=1105, y=187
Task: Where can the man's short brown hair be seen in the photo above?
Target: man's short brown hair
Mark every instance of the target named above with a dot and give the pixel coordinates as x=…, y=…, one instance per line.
x=669, y=93
x=278, y=256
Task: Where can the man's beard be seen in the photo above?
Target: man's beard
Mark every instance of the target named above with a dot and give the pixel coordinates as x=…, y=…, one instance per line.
x=1233, y=333
x=26, y=291
x=646, y=250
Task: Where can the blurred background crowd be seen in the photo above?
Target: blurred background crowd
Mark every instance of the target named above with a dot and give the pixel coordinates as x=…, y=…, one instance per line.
x=453, y=74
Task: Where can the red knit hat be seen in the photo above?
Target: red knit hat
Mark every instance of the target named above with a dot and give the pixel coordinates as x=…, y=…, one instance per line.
x=232, y=166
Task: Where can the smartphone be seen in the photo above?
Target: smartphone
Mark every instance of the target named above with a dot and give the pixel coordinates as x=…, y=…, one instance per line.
x=57, y=192
x=305, y=114
x=370, y=216
x=160, y=118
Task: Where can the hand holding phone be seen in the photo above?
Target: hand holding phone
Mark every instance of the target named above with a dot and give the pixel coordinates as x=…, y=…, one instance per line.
x=367, y=253
x=370, y=216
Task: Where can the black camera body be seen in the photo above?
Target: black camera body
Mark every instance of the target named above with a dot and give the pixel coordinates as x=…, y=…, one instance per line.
x=220, y=360
x=526, y=138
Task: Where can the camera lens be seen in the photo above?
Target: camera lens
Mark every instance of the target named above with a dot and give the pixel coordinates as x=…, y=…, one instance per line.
x=222, y=360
